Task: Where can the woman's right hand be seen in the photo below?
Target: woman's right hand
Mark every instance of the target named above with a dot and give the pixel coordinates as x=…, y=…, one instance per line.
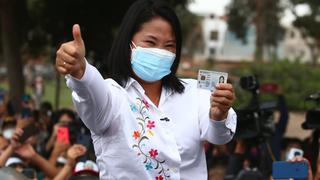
x=70, y=56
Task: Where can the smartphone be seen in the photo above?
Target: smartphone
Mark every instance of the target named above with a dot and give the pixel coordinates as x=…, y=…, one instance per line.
x=269, y=87
x=28, y=131
x=286, y=170
x=63, y=135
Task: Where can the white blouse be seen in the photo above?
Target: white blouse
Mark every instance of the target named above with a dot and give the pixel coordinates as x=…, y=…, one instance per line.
x=134, y=139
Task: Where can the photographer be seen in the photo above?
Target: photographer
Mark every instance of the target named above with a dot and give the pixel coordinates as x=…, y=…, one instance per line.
x=64, y=117
x=257, y=130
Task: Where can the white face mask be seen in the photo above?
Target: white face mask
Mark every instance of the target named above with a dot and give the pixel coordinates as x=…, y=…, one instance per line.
x=8, y=133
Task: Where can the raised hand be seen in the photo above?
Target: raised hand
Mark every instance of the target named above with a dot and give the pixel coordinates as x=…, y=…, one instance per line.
x=221, y=101
x=302, y=159
x=15, y=138
x=70, y=56
x=26, y=151
x=76, y=151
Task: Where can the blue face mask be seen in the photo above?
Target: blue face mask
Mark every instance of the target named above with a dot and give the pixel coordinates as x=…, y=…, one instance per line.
x=151, y=64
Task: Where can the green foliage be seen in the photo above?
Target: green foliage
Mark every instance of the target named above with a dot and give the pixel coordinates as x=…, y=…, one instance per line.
x=50, y=87
x=309, y=23
x=296, y=80
x=188, y=21
x=244, y=13
x=264, y=15
x=99, y=21
x=240, y=17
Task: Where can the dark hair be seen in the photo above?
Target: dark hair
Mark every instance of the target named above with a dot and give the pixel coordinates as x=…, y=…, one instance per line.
x=67, y=112
x=142, y=11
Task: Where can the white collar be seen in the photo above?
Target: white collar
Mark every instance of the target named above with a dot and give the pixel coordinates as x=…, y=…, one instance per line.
x=135, y=84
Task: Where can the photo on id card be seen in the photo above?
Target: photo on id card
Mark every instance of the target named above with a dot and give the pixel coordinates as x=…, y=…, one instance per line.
x=209, y=79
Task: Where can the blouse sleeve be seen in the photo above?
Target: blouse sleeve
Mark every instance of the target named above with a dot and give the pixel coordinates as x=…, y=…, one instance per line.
x=216, y=132
x=96, y=100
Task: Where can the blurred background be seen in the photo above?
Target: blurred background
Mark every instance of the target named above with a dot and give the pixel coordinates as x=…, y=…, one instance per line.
x=269, y=48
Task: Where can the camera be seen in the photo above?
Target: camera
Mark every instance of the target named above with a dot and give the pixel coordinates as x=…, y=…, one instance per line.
x=249, y=83
x=313, y=115
x=256, y=120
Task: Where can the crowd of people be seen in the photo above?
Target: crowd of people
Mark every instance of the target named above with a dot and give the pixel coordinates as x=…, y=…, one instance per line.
x=251, y=157
x=45, y=155
x=43, y=143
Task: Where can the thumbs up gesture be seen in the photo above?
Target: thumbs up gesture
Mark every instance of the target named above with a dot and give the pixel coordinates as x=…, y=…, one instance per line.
x=70, y=56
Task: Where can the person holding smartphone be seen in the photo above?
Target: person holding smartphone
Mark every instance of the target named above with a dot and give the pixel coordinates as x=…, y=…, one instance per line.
x=65, y=117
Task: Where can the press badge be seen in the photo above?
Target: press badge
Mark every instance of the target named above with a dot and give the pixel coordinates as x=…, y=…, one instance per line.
x=209, y=79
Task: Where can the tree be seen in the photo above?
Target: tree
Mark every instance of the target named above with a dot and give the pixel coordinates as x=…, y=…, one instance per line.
x=99, y=21
x=191, y=30
x=309, y=26
x=12, y=12
x=264, y=15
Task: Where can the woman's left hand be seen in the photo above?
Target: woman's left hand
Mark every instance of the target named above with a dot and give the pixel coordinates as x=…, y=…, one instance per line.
x=221, y=101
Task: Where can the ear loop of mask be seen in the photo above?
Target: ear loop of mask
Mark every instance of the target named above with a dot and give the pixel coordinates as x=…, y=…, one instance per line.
x=132, y=43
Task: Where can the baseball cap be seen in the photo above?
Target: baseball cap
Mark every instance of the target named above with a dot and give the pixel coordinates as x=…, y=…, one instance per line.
x=87, y=167
x=14, y=161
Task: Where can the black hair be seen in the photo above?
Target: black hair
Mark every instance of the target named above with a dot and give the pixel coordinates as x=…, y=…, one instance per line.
x=140, y=12
x=67, y=112
x=46, y=106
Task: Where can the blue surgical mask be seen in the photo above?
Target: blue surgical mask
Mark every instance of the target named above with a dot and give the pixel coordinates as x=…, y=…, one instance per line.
x=151, y=64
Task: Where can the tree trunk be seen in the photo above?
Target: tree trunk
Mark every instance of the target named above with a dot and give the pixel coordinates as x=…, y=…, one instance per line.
x=11, y=51
x=314, y=55
x=259, y=31
x=57, y=96
x=314, y=51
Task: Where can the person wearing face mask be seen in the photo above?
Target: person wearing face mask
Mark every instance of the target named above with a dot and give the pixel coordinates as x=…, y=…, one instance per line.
x=145, y=122
x=8, y=128
x=11, y=147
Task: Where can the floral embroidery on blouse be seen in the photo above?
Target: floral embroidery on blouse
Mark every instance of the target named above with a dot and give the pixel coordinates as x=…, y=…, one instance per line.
x=136, y=134
x=150, y=124
x=141, y=136
x=159, y=178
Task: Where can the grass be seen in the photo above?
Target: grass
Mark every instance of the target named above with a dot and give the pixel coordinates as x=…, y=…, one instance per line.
x=50, y=92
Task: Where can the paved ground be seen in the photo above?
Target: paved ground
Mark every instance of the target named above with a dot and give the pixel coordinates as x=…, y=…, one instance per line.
x=294, y=128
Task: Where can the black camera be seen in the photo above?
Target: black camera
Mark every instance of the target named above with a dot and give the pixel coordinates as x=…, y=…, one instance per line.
x=256, y=120
x=249, y=83
x=313, y=115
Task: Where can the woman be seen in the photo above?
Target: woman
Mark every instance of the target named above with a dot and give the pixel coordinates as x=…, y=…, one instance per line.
x=145, y=122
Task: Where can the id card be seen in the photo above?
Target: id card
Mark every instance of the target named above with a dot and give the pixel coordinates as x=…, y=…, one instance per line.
x=209, y=79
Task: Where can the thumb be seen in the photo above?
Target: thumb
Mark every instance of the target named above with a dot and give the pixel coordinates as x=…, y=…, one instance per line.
x=76, y=32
